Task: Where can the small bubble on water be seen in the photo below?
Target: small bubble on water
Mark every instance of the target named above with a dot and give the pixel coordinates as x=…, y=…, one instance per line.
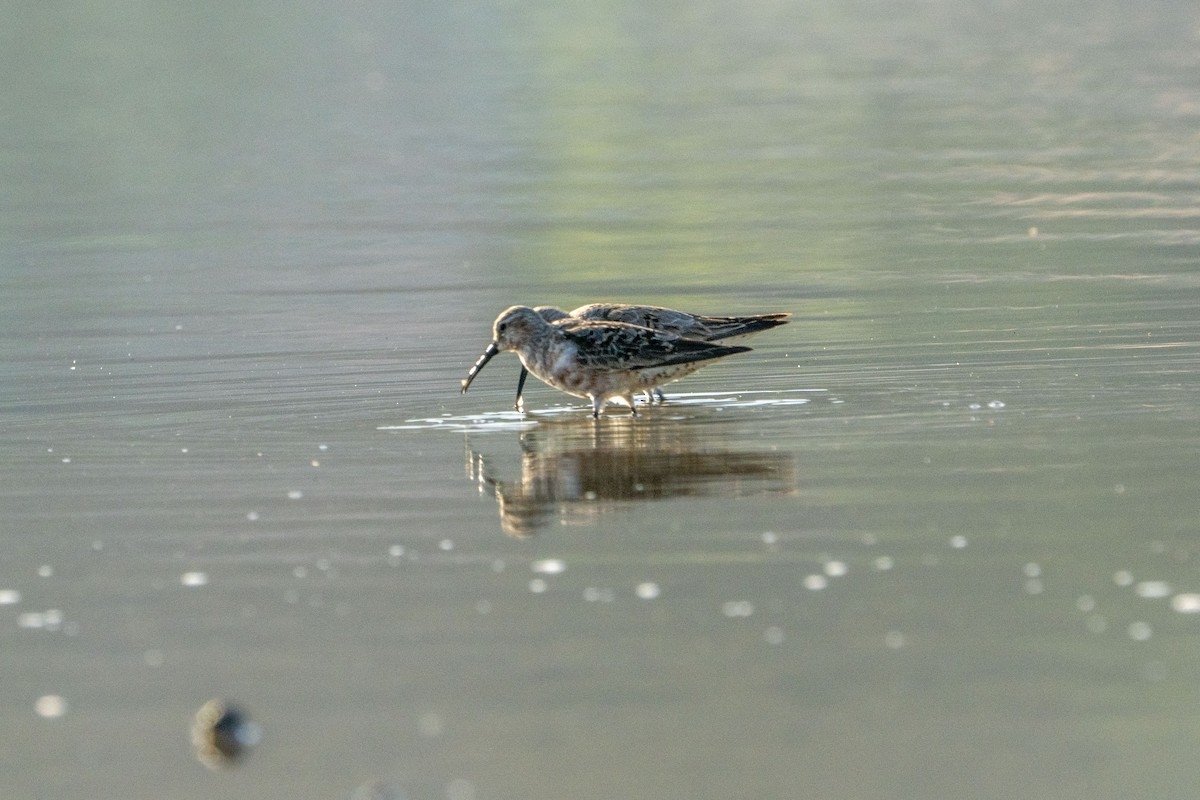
x=50, y=706
x=9, y=597
x=31, y=620
x=1032, y=569
x=396, y=551
x=195, y=578
x=252, y=516
x=773, y=635
x=596, y=594
x=815, y=582
x=295, y=494
x=737, y=608
x=836, y=569
x=1152, y=590
x=647, y=591
x=537, y=586
x=974, y=406
x=1186, y=603
x=770, y=537
x=894, y=640
x=996, y=404
x=883, y=563
x=322, y=447
x=1034, y=586
x=446, y=545
x=1123, y=577
x=300, y=571
x=1139, y=631
x=958, y=542
x=549, y=566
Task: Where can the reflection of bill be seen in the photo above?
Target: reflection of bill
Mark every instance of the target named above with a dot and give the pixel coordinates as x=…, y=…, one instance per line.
x=573, y=471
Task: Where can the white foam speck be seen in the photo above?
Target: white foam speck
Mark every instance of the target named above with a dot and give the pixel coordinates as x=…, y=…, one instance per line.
x=815, y=583
x=648, y=590
x=196, y=578
x=595, y=594
x=737, y=608
x=50, y=706
x=1152, y=589
x=1140, y=631
x=1186, y=603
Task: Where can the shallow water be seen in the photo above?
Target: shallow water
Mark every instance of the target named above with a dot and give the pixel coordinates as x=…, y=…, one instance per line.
x=935, y=538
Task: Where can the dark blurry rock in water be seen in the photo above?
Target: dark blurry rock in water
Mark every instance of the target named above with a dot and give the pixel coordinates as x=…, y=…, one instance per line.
x=222, y=734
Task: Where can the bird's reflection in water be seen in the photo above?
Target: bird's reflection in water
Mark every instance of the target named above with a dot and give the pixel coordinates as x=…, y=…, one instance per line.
x=572, y=471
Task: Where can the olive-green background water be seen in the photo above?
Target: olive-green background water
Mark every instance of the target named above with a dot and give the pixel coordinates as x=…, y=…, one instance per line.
x=936, y=538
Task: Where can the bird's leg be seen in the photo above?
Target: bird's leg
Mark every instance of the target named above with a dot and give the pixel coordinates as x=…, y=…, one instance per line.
x=597, y=406
x=628, y=398
x=662, y=398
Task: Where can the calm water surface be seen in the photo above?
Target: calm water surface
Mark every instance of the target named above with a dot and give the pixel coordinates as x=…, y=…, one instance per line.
x=936, y=538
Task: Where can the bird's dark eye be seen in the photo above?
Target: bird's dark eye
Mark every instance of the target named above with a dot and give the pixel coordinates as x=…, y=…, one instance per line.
x=501, y=327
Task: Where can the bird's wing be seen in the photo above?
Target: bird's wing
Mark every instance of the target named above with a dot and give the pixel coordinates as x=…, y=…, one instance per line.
x=617, y=345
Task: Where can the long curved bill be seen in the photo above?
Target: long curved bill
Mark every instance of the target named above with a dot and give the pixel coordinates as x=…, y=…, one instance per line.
x=491, y=352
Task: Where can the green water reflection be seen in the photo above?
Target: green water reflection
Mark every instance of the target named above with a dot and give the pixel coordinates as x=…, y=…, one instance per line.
x=247, y=253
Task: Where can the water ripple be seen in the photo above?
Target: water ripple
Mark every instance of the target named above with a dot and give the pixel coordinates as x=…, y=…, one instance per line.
x=518, y=421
